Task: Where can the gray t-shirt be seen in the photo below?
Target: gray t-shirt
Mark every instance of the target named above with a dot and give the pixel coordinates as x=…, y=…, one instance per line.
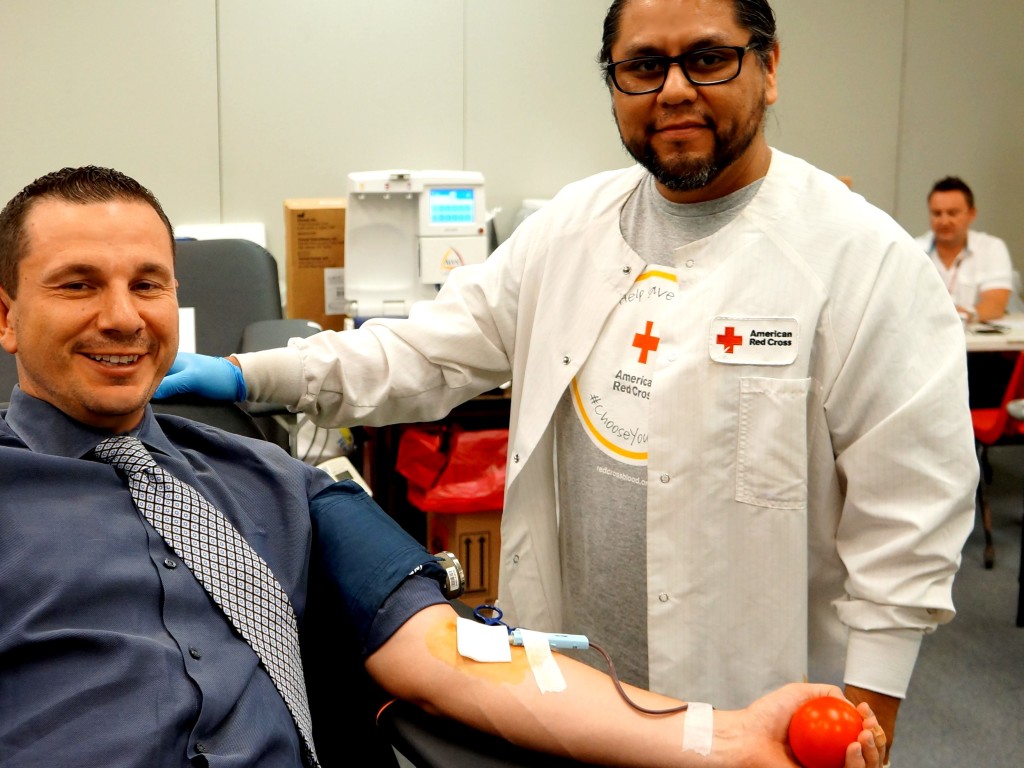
x=602, y=492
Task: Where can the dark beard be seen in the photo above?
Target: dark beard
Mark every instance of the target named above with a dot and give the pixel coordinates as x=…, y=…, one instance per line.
x=684, y=174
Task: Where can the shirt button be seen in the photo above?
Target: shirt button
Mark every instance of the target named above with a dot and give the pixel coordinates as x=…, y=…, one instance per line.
x=195, y=653
x=689, y=262
x=200, y=747
x=664, y=478
x=663, y=597
x=168, y=563
x=515, y=559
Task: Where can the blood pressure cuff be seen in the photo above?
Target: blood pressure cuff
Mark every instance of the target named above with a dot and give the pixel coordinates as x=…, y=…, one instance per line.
x=360, y=556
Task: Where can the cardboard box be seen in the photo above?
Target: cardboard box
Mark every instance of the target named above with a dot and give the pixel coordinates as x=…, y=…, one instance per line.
x=315, y=260
x=475, y=538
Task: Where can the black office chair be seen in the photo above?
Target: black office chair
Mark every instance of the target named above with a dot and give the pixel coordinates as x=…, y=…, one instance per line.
x=428, y=741
x=8, y=377
x=230, y=417
x=230, y=283
x=232, y=286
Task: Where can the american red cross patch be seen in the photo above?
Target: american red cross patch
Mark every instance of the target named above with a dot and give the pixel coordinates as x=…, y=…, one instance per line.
x=754, y=340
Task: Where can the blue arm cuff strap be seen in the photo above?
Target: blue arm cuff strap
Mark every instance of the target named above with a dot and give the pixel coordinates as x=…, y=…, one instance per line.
x=365, y=555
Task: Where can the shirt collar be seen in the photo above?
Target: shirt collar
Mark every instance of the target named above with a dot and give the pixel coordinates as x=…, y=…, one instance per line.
x=48, y=430
x=964, y=252
x=967, y=244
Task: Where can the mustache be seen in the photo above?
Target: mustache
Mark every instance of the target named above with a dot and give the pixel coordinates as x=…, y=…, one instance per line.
x=674, y=117
x=138, y=341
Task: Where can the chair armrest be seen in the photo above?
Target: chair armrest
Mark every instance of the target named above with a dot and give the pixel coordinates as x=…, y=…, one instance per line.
x=429, y=741
x=271, y=334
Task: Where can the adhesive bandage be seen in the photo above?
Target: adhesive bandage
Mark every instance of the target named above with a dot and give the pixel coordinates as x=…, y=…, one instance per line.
x=698, y=728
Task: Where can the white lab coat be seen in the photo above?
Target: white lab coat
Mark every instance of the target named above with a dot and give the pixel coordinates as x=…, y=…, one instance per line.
x=850, y=469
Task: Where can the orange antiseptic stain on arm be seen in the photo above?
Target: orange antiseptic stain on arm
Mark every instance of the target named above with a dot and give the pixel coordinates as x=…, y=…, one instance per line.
x=442, y=644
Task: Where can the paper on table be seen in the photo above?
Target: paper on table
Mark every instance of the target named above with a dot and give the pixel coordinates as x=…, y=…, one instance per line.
x=186, y=329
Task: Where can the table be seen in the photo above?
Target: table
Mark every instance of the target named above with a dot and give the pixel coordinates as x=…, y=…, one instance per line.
x=1003, y=335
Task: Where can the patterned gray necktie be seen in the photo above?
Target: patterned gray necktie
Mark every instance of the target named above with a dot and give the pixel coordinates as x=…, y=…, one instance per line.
x=229, y=569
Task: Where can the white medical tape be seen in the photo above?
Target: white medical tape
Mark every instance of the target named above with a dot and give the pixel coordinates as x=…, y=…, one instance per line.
x=546, y=671
x=698, y=728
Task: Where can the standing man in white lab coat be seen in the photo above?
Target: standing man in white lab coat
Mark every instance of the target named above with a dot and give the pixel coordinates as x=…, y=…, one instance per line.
x=740, y=451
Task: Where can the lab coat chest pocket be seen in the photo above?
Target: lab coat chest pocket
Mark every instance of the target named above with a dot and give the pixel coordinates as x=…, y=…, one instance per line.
x=771, y=442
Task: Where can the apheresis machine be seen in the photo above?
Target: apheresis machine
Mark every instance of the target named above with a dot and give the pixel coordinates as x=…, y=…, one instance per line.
x=405, y=231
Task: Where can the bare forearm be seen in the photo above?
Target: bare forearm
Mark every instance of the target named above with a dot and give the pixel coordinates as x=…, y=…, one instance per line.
x=991, y=305
x=588, y=721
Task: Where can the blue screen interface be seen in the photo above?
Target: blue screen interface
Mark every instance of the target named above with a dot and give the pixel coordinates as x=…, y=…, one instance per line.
x=452, y=206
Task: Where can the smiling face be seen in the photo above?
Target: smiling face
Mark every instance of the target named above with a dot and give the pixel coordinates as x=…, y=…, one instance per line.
x=699, y=142
x=95, y=322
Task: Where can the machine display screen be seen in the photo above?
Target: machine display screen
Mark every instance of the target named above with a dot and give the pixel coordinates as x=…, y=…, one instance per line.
x=452, y=206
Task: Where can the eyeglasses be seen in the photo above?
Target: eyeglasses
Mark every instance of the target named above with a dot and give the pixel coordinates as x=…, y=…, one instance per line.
x=704, y=66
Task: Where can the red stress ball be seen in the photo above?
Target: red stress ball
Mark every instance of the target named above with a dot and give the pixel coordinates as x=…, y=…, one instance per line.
x=822, y=729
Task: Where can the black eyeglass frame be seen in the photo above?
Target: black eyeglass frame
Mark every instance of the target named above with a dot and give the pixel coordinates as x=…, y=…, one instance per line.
x=741, y=52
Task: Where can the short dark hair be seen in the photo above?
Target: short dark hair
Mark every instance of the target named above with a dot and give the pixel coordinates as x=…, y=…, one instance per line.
x=953, y=184
x=756, y=16
x=87, y=184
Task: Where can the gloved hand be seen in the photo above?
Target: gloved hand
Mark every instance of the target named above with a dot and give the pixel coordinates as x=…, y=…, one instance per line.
x=215, y=378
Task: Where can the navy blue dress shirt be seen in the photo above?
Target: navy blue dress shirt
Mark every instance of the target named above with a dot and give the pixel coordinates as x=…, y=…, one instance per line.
x=111, y=653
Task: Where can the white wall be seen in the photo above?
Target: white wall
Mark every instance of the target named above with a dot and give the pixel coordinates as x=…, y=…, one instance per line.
x=839, y=89
x=227, y=107
x=113, y=82
x=963, y=112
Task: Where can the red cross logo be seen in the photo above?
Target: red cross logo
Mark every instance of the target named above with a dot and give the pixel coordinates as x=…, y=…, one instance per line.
x=729, y=339
x=645, y=342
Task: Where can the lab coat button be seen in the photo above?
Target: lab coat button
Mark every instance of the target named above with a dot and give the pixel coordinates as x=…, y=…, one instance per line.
x=626, y=270
x=515, y=458
x=664, y=478
x=689, y=262
x=663, y=597
x=566, y=360
x=515, y=559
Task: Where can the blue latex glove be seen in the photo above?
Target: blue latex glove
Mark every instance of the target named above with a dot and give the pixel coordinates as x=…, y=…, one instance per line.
x=214, y=378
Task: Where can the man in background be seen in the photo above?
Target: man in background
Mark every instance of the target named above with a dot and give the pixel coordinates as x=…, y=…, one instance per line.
x=974, y=266
x=978, y=273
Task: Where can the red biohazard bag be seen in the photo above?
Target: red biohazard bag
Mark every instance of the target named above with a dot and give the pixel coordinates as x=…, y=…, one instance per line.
x=451, y=470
